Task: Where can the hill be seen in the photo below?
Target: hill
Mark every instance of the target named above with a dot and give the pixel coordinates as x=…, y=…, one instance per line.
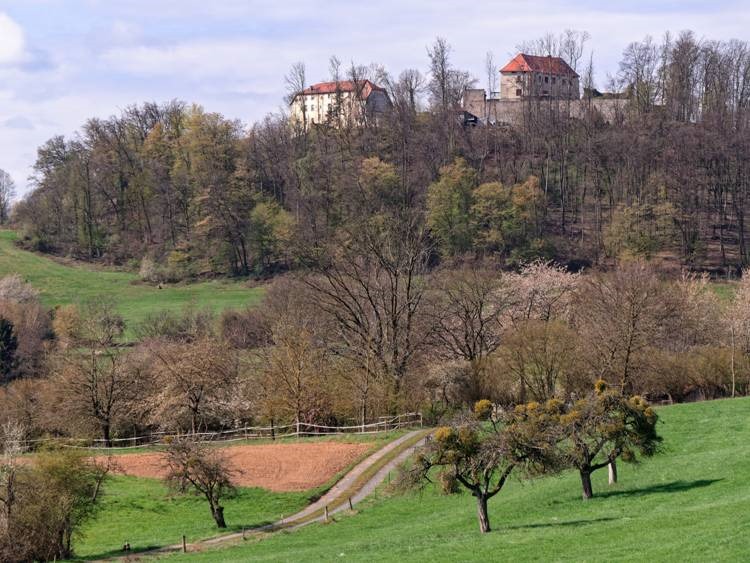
x=62, y=284
x=690, y=503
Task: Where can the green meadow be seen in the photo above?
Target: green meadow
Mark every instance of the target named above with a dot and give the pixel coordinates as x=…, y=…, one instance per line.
x=690, y=503
x=62, y=284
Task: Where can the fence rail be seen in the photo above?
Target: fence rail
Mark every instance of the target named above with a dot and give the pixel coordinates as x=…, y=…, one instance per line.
x=296, y=429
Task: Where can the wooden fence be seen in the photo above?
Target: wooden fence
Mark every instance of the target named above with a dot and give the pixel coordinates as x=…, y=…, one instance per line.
x=296, y=429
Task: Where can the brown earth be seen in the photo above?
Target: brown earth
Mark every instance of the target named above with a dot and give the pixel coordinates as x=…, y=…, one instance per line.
x=276, y=467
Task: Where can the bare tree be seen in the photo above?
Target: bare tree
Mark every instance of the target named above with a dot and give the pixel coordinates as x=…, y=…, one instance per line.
x=447, y=84
x=7, y=192
x=95, y=381
x=409, y=87
x=296, y=82
x=192, y=383
x=13, y=435
x=202, y=469
x=369, y=281
x=621, y=315
x=467, y=311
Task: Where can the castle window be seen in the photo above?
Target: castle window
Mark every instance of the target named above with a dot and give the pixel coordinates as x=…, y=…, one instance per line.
x=518, y=92
x=546, y=79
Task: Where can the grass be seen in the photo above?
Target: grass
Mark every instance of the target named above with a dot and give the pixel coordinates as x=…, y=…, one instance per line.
x=144, y=513
x=690, y=503
x=724, y=290
x=62, y=284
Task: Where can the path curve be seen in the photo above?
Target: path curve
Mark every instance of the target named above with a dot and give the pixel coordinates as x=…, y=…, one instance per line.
x=356, y=485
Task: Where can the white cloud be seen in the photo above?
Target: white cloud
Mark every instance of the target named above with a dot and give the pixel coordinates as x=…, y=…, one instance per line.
x=11, y=41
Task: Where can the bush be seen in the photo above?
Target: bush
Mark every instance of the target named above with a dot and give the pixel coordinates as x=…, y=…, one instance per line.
x=246, y=329
x=149, y=271
x=50, y=502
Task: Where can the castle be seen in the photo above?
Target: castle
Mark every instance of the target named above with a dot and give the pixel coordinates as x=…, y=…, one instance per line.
x=529, y=82
x=525, y=81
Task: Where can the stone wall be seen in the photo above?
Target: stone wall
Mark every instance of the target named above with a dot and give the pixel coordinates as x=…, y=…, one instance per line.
x=513, y=112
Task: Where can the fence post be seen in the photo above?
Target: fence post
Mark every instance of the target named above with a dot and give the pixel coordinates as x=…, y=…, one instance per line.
x=420, y=420
x=184, y=544
x=273, y=433
x=297, y=427
x=326, y=514
x=350, y=504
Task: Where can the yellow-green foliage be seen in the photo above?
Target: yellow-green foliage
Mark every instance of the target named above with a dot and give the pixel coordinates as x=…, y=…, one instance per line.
x=483, y=409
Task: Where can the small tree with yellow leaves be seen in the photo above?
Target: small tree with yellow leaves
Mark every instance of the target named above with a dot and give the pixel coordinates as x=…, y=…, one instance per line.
x=603, y=427
x=479, y=450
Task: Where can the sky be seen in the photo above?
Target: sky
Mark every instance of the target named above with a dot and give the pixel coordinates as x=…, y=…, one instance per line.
x=64, y=61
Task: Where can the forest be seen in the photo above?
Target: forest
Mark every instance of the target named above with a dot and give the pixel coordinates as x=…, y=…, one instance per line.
x=180, y=192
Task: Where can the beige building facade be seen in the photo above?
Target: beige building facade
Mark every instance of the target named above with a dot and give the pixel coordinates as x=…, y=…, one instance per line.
x=531, y=76
x=339, y=103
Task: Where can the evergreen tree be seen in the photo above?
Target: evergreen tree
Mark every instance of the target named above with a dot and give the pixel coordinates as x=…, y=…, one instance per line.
x=8, y=347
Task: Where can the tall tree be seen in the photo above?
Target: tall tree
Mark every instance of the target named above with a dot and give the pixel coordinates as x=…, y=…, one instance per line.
x=7, y=192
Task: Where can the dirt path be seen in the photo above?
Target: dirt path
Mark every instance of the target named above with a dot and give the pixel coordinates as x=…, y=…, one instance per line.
x=356, y=485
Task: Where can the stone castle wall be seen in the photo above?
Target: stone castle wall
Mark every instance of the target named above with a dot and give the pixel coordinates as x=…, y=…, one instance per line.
x=513, y=112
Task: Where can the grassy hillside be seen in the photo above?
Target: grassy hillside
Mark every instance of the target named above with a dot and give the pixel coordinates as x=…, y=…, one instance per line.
x=62, y=284
x=690, y=503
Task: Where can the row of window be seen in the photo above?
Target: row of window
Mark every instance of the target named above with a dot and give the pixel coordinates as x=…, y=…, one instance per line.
x=539, y=78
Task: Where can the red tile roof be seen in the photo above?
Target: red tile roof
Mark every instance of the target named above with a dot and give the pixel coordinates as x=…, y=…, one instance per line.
x=366, y=87
x=534, y=63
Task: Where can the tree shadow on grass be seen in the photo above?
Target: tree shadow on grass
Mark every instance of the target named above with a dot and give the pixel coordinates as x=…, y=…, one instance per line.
x=562, y=523
x=673, y=487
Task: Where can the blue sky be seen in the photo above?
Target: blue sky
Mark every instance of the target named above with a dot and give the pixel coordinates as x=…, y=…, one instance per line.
x=63, y=61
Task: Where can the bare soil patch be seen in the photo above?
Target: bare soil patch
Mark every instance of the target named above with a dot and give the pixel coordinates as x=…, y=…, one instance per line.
x=276, y=467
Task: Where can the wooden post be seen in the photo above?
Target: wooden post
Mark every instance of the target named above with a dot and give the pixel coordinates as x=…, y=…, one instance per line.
x=326, y=513
x=184, y=544
x=350, y=504
x=273, y=433
x=297, y=427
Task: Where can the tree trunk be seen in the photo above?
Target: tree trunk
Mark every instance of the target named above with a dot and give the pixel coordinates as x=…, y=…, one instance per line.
x=218, y=514
x=586, y=484
x=612, y=467
x=106, y=435
x=484, y=518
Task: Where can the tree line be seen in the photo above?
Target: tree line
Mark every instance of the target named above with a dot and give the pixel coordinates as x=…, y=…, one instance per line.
x=369, y=334
x=179, y=192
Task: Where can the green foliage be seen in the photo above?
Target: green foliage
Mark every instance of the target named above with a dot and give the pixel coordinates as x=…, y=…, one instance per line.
x=270, y=234
x=486, y=218
x=449, y=204
x=51, y=500
x=640, y=230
